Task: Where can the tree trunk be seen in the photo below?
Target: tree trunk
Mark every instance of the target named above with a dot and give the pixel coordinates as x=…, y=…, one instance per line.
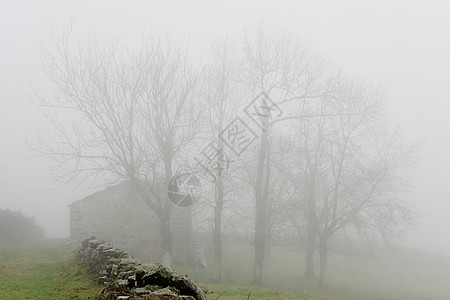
x=312, y=228
x=218, y=209
x=217, y=232
x=268, y=251
x=309, y=253
x=323, y=253
x=166, y=240
x=162, y=208
x=260, y=210
x=165, y=219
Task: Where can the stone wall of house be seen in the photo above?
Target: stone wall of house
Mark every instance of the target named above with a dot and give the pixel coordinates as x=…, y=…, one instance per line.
x=118, y=216
x=181, y=233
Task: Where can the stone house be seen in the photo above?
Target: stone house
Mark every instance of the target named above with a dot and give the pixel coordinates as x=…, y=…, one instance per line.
x=119, y=216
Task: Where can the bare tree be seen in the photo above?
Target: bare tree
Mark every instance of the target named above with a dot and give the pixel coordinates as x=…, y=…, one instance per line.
x=170, y=117
x=352, y=169
x=220, y=92
x=133, y=113
x=283, y=189
x=281, y=74
x=367, y=195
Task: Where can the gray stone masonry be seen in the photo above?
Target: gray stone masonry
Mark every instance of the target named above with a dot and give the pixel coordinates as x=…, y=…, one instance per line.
x=125, y=279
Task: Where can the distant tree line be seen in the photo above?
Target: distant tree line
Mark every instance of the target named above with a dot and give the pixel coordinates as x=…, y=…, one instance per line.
x=16, y=228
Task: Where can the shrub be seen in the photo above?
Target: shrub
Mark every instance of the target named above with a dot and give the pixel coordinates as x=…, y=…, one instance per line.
x=17, y=228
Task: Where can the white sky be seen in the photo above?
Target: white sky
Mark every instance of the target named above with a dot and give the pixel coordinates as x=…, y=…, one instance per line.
x=403, y=46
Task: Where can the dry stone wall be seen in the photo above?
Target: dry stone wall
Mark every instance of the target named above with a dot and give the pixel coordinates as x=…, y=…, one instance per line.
x=125, y=279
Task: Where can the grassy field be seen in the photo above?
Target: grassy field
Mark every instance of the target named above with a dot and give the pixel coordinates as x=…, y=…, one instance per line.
x=403, y=274
x=42, y=271
x=47, y=271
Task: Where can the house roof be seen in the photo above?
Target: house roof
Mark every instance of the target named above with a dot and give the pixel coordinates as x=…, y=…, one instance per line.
x=108, y=190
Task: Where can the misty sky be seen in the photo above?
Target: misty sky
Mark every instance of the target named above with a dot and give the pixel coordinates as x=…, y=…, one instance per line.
x=403, y=46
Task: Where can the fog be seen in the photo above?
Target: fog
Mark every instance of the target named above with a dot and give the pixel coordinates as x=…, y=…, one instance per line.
x=401, y=46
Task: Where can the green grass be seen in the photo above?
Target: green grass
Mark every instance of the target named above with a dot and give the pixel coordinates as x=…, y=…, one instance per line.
x=42, y=271
x=47, y=271
x=403, y=275
x=235, y=292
